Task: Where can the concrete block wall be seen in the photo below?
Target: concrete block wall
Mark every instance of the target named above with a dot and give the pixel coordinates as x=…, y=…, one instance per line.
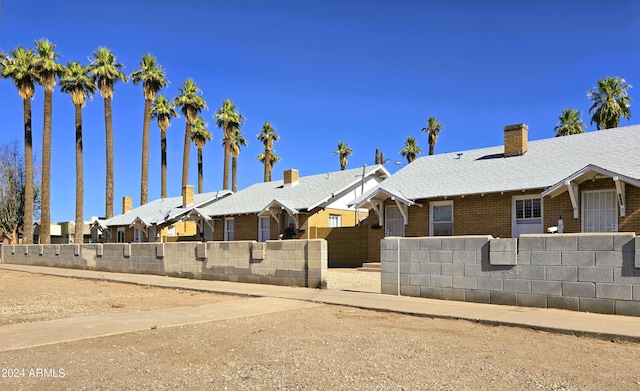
x=581, y=272
x=289, y=263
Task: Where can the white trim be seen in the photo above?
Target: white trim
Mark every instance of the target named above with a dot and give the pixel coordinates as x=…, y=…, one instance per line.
x=590, y=171
x=440, y=203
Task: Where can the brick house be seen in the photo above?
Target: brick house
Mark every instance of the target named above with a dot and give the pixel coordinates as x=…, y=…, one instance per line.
x=264, y=210
x=587, y=182
x=164, y=219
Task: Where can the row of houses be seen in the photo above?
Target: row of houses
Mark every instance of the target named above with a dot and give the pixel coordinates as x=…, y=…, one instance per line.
x=588, y=182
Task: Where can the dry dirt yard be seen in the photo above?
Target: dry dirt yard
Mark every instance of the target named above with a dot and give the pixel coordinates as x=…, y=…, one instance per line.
x=321, y=348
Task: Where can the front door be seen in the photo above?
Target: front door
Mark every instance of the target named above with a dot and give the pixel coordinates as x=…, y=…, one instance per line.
x=599, y=211
x=393, y=221
x=264, y=228
x=527, y=215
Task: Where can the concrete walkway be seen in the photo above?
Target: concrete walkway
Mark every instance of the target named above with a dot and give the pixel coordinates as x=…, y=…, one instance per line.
x=569, y=322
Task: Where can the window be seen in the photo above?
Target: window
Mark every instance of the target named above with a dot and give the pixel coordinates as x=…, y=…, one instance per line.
x=335, y=221
x=171, y=231
x=264, y=229
x=228, y=229
x=441, y=218
x=599, y=211
x=120, y=235
x=529, y=208
x=393, y=221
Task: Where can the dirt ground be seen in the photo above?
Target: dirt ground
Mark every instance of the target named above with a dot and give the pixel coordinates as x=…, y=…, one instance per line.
x=321, y=348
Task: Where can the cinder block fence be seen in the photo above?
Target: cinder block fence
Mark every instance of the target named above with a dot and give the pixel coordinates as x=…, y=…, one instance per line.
x=580, y=272
x=290, y=263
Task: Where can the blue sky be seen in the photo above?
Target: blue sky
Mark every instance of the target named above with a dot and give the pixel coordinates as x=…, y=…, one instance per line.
x=369, y=73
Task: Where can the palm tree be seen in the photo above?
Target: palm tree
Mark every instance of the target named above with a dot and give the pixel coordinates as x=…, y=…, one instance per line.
x=268, y=136
x=227, y=118
x=273, y=159
x=191, y=104
x=153, y=79
x=237, y=140
x=433, y=128
x=200, y=135
x=570, y=123
x=20, y=68
x=610, y=102
x=344, y=153
x=106, y=71
x=77, y=82
x=48, y=69
x=411, y=149
x=163, y=110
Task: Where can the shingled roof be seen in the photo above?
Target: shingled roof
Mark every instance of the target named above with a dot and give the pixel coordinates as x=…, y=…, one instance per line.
x=163, y=210
x=307, y=193
x=486, y=170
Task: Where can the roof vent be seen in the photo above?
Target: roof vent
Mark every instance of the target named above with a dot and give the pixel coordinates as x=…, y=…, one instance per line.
x=459, y=155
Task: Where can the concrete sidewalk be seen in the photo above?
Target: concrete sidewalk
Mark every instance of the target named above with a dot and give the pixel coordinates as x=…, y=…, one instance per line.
x=568, y=322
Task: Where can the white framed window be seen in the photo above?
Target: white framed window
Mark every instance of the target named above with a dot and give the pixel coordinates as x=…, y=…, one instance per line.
x=335, y=221
x=171, y=231
x=599, y=211
x=526, y=215
x=229, y=229
x=393, y=221
x=120, y=235
x=264, y=228
x=441, y=218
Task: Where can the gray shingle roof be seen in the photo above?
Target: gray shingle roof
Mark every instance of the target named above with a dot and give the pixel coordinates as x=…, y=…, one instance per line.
x=163, y=209
x=310, y=192
x=546, y=162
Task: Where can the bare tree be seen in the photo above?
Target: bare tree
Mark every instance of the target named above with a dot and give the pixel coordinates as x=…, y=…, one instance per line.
x=12, y=191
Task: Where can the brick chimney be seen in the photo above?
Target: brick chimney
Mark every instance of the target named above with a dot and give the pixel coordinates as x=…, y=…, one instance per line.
x=291, y=177
x=127, y=204
x=515, y=139
x=187, y=195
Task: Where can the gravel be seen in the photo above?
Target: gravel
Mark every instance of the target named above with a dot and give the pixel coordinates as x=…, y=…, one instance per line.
x=319, y=348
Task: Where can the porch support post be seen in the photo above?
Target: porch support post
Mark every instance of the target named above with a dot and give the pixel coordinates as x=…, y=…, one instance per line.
x=573, y=194
x=404, y=210
x=377, y=207
x=620, y=187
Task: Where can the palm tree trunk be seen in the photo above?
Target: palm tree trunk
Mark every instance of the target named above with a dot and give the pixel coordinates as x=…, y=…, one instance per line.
x=267, y=165
x=227, y=152
x=144, y=181
x=200, y=176
x=109, y=148
x=234, y=174
x=79, y=232
x=27, y=229
x=185, y=157
x=432, y=148
x=45, y=214
x=163, y=163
